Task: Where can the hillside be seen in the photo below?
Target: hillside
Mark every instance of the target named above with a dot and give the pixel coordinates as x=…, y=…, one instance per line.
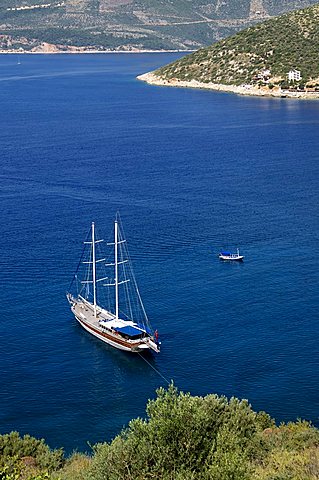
x=258, y=57
x=130, y=24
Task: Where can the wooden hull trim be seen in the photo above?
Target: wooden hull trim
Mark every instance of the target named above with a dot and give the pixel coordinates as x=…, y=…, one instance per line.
x=115, y=342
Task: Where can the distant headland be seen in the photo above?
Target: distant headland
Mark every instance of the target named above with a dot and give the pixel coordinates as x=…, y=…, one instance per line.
x=50, y=48
x=278, y=58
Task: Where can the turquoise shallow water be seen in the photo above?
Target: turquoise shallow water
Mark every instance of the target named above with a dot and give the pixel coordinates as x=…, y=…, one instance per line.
x=191, y=172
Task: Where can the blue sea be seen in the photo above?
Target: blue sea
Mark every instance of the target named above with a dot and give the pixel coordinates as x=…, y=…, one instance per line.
x=191, y=172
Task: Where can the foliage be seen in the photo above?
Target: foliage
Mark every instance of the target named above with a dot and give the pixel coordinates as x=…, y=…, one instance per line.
x=182, y=437
x=14, y=449
x=74, y=468
x=291, y=452
x=20, y=472
x=9, y=473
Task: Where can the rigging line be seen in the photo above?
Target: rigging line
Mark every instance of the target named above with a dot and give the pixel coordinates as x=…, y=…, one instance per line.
x=135, y=282
x=80, y=261
x=88, y=274
x=157, y=371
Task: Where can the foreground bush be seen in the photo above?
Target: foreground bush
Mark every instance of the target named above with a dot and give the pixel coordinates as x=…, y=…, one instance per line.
x=182, y=438
x=27, y=458
x=75, y=468
x=291, y=452
x=207, y=438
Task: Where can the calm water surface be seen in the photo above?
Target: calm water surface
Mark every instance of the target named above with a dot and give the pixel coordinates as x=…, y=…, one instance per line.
x=191, y=172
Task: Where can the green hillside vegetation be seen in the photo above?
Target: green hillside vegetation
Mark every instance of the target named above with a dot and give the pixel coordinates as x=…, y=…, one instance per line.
x=131, y=24
x=182, y=438
x=290, y=41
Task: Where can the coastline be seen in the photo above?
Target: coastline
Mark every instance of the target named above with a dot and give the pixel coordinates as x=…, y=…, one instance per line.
x=249, y=90
x=53, y=49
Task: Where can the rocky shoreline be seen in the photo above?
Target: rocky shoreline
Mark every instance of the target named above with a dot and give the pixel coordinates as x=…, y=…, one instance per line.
x=250, y=90
x=49, y=48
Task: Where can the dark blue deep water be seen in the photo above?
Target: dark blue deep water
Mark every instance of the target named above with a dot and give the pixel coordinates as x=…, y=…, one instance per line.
x=191, y=172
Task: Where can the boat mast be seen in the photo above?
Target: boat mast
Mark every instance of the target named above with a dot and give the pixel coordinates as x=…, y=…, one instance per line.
x=93, y=269
x=116, y=243
x=116, y=271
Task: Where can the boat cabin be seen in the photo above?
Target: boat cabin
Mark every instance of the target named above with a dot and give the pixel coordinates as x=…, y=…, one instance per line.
x=130, y=333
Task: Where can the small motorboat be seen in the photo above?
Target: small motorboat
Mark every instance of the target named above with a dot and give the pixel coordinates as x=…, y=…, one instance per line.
x=231, y=256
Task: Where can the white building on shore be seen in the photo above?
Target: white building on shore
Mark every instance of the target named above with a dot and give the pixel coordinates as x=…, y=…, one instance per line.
x=294, y=75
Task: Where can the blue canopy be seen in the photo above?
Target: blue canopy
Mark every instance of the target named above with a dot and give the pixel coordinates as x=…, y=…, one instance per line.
x=129, y=330
x=225, y=253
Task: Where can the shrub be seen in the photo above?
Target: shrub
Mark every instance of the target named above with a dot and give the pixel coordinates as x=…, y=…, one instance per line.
x=183, y=437
x=13, y=448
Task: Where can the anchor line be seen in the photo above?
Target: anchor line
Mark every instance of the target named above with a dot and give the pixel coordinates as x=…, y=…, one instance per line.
x=155, y=370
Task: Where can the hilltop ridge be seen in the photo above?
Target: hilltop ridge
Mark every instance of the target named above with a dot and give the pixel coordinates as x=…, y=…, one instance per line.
x=130, y=25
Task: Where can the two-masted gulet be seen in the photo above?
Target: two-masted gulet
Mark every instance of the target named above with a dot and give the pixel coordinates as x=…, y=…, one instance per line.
x=123, y=322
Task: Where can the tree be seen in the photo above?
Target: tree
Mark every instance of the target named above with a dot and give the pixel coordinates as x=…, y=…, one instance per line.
x=183, y=437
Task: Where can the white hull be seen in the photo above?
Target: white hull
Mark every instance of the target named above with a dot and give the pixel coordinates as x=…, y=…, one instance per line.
x=234, y=258
x=100, y=337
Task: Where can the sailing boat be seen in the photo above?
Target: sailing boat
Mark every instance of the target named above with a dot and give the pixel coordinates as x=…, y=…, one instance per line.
x=114, y=323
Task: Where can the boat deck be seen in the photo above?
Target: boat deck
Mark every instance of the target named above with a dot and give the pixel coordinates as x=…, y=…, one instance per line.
x=109, y=329
x=102, y=319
